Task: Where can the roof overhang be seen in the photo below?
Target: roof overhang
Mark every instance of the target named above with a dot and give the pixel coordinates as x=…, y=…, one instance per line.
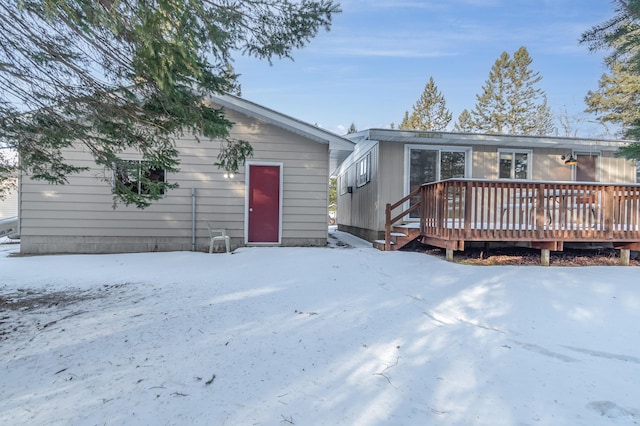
x=339, y=147
x=470, y=139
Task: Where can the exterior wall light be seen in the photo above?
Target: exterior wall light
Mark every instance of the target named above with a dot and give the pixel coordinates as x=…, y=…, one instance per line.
x=228, y=175
x=569, y=160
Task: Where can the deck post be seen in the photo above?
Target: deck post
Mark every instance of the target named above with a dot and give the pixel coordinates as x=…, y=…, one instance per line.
x=545, y=257
x=449, y=254
x=625, y=257
x=387, y=228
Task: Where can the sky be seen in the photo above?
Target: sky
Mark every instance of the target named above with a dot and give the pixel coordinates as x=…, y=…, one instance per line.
x=331, y=336
x=375, y=61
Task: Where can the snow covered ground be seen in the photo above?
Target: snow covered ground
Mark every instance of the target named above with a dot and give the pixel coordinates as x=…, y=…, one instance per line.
x=314, y=336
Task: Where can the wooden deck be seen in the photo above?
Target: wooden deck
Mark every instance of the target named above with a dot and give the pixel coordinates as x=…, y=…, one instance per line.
x=542, y=215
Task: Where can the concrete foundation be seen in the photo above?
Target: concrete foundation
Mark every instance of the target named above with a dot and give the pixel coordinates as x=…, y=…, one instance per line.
x=30, y=245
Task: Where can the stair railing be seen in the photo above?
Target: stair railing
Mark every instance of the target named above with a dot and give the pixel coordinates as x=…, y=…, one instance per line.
x=389, y=221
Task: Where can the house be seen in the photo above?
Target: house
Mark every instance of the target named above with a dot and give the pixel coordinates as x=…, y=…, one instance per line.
x=9, y=200
x=279, y=197
x=386, y=165
x=9, y=211
x=9, y=204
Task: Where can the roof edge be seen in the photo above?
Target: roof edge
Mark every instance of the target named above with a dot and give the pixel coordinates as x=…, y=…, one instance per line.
x=495, y=138
x=281, y=120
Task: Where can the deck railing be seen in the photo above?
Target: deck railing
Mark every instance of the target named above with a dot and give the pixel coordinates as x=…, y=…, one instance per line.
x=459, y=210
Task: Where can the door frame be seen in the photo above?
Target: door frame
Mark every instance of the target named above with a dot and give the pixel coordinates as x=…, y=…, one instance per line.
x=247, y=184
x=468, y=160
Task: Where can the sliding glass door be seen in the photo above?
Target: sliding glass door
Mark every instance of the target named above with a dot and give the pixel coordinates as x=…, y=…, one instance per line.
x=424, y=164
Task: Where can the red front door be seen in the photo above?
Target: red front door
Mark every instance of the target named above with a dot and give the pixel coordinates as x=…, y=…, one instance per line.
x=264, y=204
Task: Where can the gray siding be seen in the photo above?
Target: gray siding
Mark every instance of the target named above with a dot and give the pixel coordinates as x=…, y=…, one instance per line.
x=343, y=211
x=484, y=162
x=614, y=169
x=547, y=165
x=391, y=182
x=79, y=217
x=360, y=209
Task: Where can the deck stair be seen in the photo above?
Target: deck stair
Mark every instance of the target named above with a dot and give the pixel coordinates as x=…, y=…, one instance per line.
x=401, y=235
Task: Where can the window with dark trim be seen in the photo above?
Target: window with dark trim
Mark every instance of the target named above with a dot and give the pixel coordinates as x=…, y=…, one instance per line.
x=135, y=175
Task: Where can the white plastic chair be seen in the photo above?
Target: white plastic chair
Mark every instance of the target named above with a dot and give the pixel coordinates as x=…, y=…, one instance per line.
x=218, y=235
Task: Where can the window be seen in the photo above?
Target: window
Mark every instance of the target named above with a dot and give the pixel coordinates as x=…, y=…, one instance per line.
x=513, y=164
x=363, y=170
x=135, y=176
x=430, y=164
x=343, y=183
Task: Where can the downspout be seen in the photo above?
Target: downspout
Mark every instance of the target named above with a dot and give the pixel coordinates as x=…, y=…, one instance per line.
x=193, y=219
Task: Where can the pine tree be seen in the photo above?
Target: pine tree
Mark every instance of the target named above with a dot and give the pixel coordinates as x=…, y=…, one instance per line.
x=352, y=128
x=405, y=124
x=618, y=96
x=333, y=194
x=510, y=102
x=429, y=112
x=117, y=76
x=542, y=121
x=490, y=112
x=464, y=123
x=529, y=112
x=621, y=33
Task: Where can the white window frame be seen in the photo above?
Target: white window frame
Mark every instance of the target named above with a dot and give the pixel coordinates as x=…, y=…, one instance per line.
x=407, y=160
x=344, y=183
x=598, y=157
x=363, y=170
x=529, y=153
x=468, y=160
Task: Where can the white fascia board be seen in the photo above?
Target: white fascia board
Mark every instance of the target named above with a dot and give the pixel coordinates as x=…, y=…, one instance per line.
x=283, y=121
x=515, y=141
x=359, y=151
